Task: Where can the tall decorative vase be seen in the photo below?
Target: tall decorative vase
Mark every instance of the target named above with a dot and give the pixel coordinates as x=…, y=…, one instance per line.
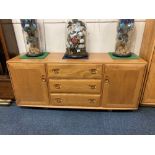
x=76, y=39
x=124, y=40
x=32, y=36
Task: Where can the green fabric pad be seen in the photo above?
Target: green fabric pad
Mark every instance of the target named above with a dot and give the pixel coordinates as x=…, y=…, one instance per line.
x=133, y=56
x=38, y=57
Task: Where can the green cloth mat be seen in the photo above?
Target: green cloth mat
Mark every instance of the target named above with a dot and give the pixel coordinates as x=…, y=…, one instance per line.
x=133, y=56
x=39, y=57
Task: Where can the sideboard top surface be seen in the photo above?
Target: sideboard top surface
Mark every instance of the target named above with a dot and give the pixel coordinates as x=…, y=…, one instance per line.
x=93, y=58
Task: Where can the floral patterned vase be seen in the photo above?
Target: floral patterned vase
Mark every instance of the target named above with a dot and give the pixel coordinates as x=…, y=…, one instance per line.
x=124, y=39
x=76, y=39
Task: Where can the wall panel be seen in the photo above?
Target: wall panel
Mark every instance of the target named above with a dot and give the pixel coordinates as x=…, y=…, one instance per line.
x=101, y=35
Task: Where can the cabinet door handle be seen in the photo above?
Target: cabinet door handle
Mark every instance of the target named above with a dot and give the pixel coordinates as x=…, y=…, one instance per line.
x=43, y=78
x=93, y=71
x=56, y=70
x=106, y=81
x=58, y=100
x=57, y=86
x=92, y=86
x=91, y=100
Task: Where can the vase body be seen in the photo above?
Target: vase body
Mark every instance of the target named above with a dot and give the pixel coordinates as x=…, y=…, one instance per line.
x=32, y=37
x=124, y=40
x=76, y=39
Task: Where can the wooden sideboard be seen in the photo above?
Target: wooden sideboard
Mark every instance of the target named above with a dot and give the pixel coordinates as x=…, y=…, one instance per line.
x=95, y=83
x=8, y=50
x=147, y=52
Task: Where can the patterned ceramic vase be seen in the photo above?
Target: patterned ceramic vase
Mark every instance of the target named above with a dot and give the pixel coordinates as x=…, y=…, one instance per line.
x=125, y=31
x=32, y=37
x=76, y=39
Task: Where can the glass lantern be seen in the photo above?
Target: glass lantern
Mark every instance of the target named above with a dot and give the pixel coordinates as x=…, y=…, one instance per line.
x=32, y=37
x=124, y=41
x=76, y=39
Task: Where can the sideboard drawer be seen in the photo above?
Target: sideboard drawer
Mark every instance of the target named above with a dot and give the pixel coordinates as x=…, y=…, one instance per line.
x=75, y=100
x=77, y=71
x=75, y=86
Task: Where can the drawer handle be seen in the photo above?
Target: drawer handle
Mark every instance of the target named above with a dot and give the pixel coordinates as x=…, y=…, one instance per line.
x=57, y=86
x=92, y=86
x=93, y=71
x=56, y=70
x=92, y=101
x=58, y=100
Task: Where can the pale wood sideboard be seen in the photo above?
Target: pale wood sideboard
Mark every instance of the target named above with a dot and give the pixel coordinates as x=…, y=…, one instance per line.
x=98, y=82
x=147, y=52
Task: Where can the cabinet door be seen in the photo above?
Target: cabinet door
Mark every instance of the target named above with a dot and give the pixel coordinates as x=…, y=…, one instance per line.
x=122, y=85
x=29, y=83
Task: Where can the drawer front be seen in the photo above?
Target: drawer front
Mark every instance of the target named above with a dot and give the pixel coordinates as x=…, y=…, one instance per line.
x=77, y=71
x=75, y=100
x=75, y=86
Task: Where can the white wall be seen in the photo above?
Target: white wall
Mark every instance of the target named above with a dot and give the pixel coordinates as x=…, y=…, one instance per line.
x=101, y=35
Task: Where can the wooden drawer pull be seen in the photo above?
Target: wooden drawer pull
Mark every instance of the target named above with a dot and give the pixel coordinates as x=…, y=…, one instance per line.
x=56, y=70
x=92, y=100
x=93, y=71
x=57, y=86
x=58, y=100
x=92, y=86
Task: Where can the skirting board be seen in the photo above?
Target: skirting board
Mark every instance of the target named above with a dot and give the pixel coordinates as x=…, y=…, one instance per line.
x=148, y=104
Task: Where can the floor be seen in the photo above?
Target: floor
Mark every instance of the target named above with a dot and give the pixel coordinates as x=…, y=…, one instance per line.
x=17, y=120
